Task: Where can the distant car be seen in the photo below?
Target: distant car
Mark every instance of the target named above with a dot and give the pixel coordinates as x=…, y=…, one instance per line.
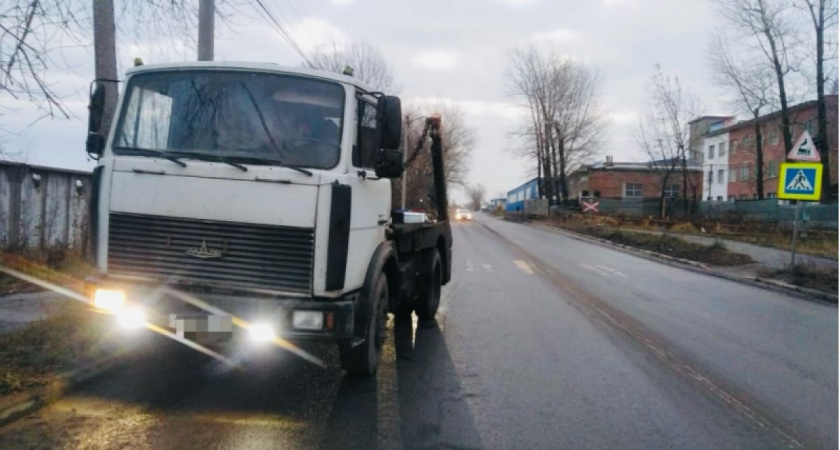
x=463, y=214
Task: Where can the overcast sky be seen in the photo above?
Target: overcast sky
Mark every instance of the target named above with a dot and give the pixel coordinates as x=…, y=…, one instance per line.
x=452, y=50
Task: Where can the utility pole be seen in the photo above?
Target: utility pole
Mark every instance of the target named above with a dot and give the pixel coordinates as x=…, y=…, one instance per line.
x=405, y=155
x=206, y=15
x=105, y=58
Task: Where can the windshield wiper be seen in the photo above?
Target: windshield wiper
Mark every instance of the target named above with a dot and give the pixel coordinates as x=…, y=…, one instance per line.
x=271, y=140
x=158, y=153
x=211, y=158
x=258, y=160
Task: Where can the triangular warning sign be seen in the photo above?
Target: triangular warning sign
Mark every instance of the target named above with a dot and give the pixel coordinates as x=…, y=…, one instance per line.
x=804, y=149
x=800, y=182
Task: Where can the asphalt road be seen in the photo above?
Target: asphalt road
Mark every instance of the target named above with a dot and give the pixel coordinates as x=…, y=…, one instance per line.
x=543, y=341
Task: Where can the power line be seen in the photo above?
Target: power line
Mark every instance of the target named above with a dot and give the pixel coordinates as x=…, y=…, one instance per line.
x=305, y=26
x=272, y=20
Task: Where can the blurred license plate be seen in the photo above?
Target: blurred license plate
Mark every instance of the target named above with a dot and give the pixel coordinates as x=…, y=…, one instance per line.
x=196, y=326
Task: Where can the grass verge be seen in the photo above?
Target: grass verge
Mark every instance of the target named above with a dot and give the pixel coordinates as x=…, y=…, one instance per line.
x=32, y=355
x=716, y=255
x=807, y=276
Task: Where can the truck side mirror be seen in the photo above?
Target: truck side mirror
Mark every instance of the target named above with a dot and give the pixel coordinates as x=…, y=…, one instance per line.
x=95, y=141
x=388, y=164
x=389, y=118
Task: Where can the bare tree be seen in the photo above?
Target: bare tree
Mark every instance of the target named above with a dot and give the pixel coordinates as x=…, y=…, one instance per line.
x=771, y=26
x=367, y=63
x=458, y=144
x=564, y=125
x=823, y=15
x=664, y=133
x=753, y=85
x=476, y=194
x=33, y=33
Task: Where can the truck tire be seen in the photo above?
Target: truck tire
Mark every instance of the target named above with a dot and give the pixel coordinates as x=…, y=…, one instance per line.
x=431, y=280
x=363, y=358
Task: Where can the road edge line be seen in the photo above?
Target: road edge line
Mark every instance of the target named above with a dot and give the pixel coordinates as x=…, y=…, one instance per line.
x=812, y=295
x=21, y=405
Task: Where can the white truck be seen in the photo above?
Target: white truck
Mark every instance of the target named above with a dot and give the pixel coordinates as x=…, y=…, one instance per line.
x=252, y=200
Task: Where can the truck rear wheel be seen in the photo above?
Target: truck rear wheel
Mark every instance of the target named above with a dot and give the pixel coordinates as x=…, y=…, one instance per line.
x=430, y=286
x=364, y=357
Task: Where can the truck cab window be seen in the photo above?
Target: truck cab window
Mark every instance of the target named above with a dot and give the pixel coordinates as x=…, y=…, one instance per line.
x=289, y=119
x=367, y=137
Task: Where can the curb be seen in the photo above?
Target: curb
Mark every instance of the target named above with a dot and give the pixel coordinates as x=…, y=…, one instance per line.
x=772, y=285
x=21, y=405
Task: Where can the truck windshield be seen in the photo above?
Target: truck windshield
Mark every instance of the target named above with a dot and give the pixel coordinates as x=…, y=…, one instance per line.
x=292, y=120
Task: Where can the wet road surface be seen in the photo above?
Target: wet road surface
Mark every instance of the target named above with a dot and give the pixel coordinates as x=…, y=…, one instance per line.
x=542, y=342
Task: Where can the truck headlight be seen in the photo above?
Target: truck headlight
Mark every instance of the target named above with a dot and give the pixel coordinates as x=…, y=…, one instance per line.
x=308, y=320
x=109, y=300
x=131, y=317
x=261, y=332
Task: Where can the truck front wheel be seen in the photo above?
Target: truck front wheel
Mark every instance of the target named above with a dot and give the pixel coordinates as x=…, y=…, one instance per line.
x=431, y=281
x=362, y=359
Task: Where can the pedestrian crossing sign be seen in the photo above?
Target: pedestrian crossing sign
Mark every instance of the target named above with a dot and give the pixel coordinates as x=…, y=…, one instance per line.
x=800, y=181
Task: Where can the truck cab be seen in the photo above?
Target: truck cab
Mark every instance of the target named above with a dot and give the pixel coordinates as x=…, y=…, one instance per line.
x=251, y=199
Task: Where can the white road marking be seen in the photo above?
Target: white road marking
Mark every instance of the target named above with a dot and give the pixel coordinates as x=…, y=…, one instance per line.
x=487, y=267
x=525, y=267
x=612, y=271
x=594, y=269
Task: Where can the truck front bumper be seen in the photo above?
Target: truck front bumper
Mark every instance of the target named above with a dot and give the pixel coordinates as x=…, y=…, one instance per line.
x=163, y=306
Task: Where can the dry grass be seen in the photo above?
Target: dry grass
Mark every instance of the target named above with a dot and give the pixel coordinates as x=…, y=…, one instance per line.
x=61, y=266
x=31, y=355
x=823, y=243
x=807, y=276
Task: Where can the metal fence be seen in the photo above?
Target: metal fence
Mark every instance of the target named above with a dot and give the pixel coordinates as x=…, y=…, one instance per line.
x=42, y=207
x=769, y=211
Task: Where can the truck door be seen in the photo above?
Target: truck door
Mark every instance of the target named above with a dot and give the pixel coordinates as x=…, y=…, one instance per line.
x=371, y=198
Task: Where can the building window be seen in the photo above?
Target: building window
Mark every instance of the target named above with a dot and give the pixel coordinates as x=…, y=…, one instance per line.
x=743, y=197
x=772, y=169
x=672, y=190
x=770, y=195
x=745, y=172
x=720, y=176
x=773, y=137
x=711, y=151
x=720, y=198
x=733, y=147
x=732, y=174
x=633, y=189
x=709, y=198
x=722, y=149
x=731, y=198
x=809, y=126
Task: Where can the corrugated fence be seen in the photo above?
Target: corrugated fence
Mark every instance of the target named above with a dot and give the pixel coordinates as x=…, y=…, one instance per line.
x=42, y=207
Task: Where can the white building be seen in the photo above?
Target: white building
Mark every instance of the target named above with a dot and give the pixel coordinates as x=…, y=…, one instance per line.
x=715, y=165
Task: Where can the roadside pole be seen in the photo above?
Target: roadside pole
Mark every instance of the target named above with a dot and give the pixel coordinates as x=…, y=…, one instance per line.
x=405, y=155
x=105, y=58
x=795, y=232
x=206, y=13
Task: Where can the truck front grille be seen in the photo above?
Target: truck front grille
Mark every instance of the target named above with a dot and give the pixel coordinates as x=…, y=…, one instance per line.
x=222, y=253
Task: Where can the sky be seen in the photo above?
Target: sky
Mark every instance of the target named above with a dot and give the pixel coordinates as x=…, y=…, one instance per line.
x=452, y=51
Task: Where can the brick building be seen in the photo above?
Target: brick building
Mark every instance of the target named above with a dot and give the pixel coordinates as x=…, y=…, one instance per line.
x=610, y=179
x=742, y=171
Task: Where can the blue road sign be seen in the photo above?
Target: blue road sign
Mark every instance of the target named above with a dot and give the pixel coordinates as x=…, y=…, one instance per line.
x=800, y=181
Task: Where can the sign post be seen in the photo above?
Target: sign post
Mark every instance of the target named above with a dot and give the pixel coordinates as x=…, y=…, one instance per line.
x=799, y=181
